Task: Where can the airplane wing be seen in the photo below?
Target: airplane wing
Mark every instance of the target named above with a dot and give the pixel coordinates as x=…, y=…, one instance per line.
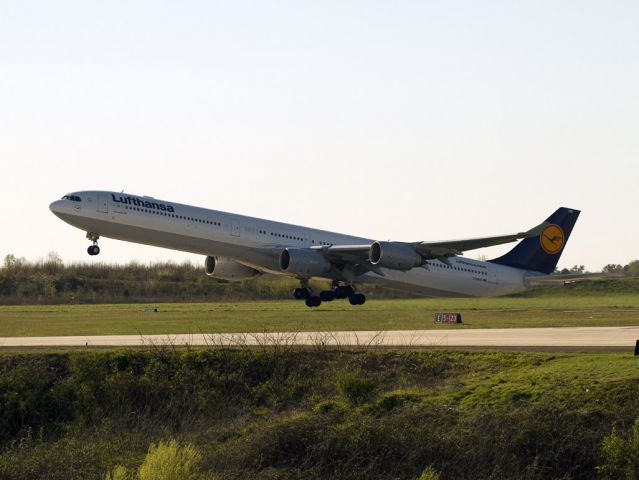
x=351, y=253
x=357, y=256
x=355, y=260
x=430, y=250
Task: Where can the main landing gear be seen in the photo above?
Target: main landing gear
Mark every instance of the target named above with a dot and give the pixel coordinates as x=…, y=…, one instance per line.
x=93, y=249
x=338, y=292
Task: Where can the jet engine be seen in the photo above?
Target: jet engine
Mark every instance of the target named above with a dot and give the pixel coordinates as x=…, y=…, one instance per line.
x=397, y=256
x=228, y=269
x=307, y=263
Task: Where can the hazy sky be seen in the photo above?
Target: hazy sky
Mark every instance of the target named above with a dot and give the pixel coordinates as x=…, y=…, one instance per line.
x=409, y=120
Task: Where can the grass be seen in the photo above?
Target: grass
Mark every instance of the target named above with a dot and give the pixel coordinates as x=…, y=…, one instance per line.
x=293, y=414
x=507, y=312
x=559, y=376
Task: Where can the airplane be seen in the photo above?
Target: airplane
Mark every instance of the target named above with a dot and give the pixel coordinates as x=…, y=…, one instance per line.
x=239, y=247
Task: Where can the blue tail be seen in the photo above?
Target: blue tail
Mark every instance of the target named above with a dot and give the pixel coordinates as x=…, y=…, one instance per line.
x=542, y=253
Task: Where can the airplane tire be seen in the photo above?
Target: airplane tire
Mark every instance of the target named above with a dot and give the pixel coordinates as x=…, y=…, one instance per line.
x=357, y=299
x=327, y=296
x=301, y=293
x=344, y=292
x=313, y=301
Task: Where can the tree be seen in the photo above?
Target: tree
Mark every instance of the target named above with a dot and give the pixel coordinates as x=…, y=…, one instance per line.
x=54, y=258
x=632, y=268
x=575, y=269
x=612, y=268
x=12, y=262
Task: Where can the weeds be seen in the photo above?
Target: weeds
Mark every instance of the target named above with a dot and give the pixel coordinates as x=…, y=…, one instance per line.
x=621, y=454
x=288, y=413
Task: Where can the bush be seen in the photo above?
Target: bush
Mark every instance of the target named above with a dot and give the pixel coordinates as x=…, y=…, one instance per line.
x=171, y=461
x=621, y=455
x=289, y=414
x=119, y=473
x=429, y=474
x=356, y=387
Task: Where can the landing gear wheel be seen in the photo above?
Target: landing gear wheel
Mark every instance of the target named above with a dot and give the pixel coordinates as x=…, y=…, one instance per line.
x=313, y=301
x=93, y=249
x=327, y=296
x=344, y=292
x=301, y=293
x=357, y=299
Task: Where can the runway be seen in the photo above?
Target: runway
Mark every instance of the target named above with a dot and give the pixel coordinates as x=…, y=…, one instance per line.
x=568, y=337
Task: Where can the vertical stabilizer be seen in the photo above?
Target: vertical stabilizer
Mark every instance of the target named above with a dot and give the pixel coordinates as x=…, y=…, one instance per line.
x=542, y=253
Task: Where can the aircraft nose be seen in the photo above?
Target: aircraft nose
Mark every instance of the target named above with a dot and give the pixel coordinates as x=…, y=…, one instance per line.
x=57, y=206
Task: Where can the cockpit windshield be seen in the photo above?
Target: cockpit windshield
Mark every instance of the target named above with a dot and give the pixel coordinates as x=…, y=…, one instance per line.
x=73, y=198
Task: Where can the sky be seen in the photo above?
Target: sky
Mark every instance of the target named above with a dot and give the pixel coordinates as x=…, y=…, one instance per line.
x=409, y=120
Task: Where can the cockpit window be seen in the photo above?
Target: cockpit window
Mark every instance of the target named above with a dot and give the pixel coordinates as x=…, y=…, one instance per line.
x=73, y=198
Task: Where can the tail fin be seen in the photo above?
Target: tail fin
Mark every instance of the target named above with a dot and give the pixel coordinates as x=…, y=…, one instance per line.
x=542, y=253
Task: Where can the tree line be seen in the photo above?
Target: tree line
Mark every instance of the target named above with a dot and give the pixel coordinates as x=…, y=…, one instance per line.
x=51, y=281
x=630, y=269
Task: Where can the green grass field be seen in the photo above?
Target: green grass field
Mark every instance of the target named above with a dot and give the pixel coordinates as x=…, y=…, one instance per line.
x=535, y=311
x=298, y=414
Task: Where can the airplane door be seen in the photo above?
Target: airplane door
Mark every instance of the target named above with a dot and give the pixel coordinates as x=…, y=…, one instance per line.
x=103, y=204
x=235, y=227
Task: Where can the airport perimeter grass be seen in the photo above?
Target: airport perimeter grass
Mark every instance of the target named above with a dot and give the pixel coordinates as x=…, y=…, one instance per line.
x=296, y=414
x=547, y=310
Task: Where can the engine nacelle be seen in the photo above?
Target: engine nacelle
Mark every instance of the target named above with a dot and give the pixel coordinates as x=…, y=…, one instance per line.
x=228, y=269
x=307, y=263
x=396, y=256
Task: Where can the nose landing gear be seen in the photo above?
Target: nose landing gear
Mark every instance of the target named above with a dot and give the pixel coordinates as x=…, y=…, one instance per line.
x=93, y=249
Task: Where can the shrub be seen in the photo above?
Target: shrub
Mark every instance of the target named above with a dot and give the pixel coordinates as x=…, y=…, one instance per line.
x=429, y=474
x=119, y=473
x=171, y=461
x=356, y=387
x=396, y=399
x=621, y=455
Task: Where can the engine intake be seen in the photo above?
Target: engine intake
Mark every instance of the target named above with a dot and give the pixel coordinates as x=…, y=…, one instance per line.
x=397, y=256
x=228, y=269
x=304, y=262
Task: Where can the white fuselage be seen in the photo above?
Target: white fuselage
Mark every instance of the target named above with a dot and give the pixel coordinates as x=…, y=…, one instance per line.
x=251, y=242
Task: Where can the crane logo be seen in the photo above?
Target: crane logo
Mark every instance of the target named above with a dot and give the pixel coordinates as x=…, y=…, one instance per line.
x=552, y=239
